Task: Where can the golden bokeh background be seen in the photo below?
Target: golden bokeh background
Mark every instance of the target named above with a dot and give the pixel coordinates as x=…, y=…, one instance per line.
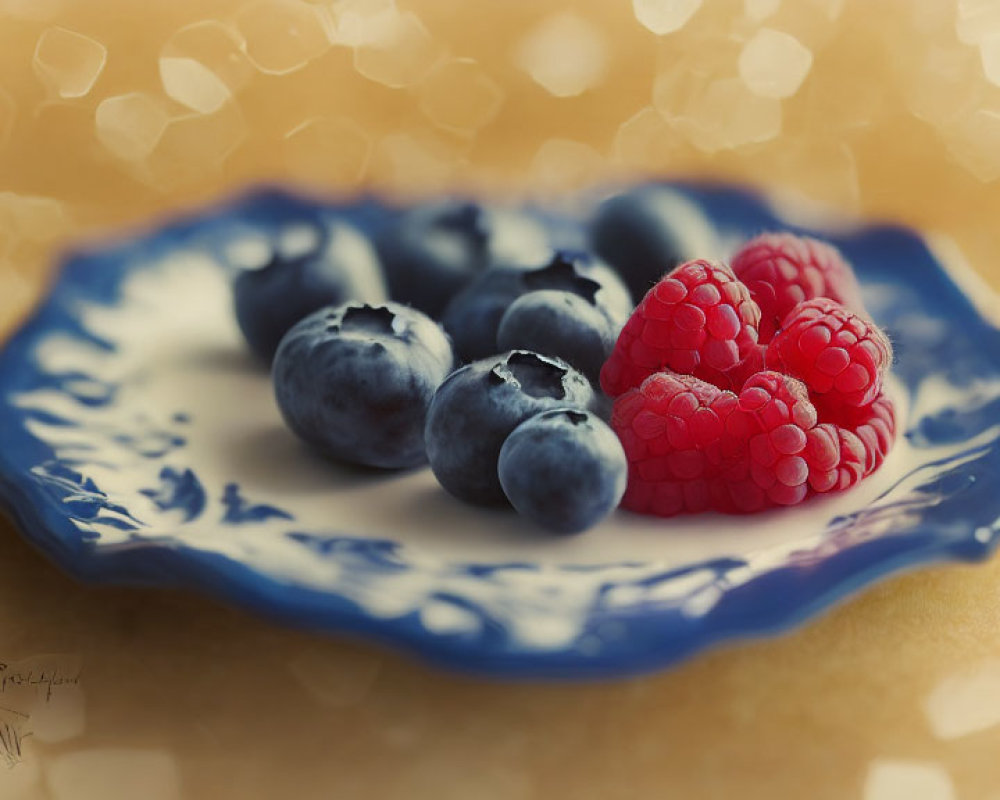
x=114, y=113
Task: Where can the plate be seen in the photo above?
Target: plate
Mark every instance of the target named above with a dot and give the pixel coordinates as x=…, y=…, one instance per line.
x=140, y=444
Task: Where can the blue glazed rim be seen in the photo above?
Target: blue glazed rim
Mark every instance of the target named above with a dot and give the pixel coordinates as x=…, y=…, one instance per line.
x=635, y=640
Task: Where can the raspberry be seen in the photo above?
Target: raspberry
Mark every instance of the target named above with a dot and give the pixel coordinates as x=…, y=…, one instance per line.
x=698, y=320
x=834, y=351
x=692, y=446
x=841, y=454
x=711, y=419
x=836, y=458
x=734, y=379
x=774, y=418
x=876, y=428
x=672, y=428
x=874, y=425
x=782, y=269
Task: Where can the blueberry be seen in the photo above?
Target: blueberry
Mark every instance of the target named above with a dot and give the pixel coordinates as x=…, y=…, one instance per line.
x=310, y=267
x=646, y=232
x=564, y=469
x=434, y=250
x=583, y=274
x=355, y=381
x=478, y=406
x=473, y=316
x=563, y=324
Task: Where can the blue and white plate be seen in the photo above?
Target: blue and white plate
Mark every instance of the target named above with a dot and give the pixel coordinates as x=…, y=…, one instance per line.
x=140, y=444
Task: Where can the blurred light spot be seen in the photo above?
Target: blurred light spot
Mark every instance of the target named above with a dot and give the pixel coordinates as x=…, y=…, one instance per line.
x=192, y=84
x=774, y=64
x=664, y=16
x=977, y=20
x=966, y=702
x=759, y=10
x=68, y=63
x=328, y=150
x=907, y=780
x=565, y=54
x=398, y=51
x=281, y=36
x=130, y=125
x=458, y=95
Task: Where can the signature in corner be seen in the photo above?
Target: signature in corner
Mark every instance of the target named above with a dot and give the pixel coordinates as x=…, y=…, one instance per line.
x=48, y=678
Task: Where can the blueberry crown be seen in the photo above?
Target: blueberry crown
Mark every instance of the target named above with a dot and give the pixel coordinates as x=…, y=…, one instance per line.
x=563, y=273
x=535, y=375
x=366, y=319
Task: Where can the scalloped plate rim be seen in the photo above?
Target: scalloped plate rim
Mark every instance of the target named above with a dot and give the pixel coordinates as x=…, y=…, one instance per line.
x=39, y=519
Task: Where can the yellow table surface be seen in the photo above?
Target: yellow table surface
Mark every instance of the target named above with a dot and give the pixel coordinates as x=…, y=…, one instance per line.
x=895, y=695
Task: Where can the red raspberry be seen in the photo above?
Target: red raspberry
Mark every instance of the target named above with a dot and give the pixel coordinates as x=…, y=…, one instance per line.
x=874, y=425
x=782, y=269
x=844, y=452
x=773, y=417
x=672, y=428
x=836, y=353
x=698, y=320
x=734, y=379
x=692, y=446
x=836, y=458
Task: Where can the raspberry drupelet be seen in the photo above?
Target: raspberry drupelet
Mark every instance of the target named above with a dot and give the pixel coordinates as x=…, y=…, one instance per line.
x=698, y=320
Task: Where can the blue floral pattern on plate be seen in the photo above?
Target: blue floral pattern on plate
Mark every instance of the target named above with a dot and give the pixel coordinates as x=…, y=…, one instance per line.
x=139, y=444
